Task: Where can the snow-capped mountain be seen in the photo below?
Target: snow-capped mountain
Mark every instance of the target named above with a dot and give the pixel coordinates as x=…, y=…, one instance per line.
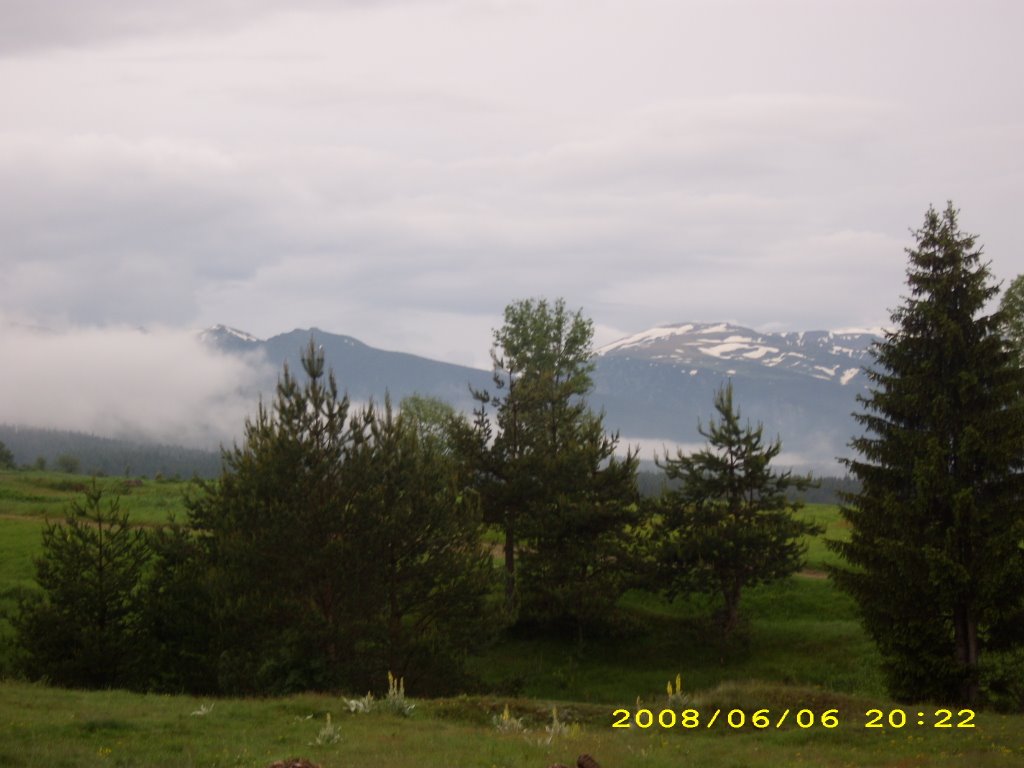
x=834, y=356
x=654, y=386
x=802, y=386
x=221, y=334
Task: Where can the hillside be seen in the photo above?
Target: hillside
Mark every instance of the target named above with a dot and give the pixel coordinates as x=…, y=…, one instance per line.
x=106, y=456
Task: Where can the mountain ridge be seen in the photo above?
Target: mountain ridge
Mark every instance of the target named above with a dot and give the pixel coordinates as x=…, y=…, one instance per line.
x=656, y=385
x=720, y=346
x=737, y=342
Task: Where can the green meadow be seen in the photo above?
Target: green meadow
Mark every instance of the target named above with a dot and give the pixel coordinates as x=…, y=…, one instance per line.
x=802, y=653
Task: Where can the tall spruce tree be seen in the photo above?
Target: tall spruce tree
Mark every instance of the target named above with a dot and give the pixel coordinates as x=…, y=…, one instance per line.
x=937, y=566
x=729, y=525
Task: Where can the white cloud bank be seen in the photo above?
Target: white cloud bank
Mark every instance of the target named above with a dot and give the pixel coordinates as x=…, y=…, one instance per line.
x=162, y=385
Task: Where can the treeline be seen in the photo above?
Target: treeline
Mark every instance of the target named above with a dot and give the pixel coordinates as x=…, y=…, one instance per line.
x=83, y=453
x=824, y=490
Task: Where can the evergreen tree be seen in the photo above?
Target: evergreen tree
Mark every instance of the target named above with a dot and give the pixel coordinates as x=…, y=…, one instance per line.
x=178, y=617
x=6, y=457
x=728, y=525
x=341, y=546
x=937, y=566
x=547, y=470
x=274, y=531
x=1011, y=307
x=578, y=553
x=420, y=530
x=84, y=628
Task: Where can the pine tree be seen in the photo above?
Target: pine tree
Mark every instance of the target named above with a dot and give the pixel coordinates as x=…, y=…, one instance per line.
x=936, y=563
x=578, y=554
x=420, y=531
x=84, y=628
x=178, y=620
x=275, y=534
x=341, y=545
x=729, y=526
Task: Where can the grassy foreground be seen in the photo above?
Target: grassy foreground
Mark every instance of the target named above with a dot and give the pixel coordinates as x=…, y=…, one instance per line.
x=41, y=726
x=804, y=650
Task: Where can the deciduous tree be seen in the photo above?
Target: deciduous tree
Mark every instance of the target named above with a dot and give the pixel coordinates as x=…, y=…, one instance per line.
x=6, y=457
x=548, y=471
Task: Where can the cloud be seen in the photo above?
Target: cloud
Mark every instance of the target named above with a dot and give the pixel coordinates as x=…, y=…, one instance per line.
x=816, y=458
x=100, y=229
x=162, y=385
x=33, y=24
x=401, y=170
x=39, y=24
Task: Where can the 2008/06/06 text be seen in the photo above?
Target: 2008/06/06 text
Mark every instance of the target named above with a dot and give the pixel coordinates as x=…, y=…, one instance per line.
x=802, y=718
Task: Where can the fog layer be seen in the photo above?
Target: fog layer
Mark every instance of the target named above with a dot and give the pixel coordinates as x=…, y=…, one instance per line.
x=162, y=385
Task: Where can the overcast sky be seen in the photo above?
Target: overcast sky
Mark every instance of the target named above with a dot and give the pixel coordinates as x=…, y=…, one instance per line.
x=400, y=170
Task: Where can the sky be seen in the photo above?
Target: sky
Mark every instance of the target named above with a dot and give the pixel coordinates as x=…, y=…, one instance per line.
x=400, y=170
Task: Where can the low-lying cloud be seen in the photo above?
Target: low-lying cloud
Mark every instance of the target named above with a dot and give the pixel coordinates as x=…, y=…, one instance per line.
x=160, y=385
x=816, y=456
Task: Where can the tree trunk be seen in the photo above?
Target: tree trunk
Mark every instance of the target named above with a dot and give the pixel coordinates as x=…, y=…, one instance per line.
x=731, y=612
x=965, y=629
x=394, y=618
x=511, y=596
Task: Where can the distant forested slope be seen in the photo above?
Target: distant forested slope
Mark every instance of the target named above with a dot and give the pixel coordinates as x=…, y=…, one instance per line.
x=102, y=455
x=828, y=490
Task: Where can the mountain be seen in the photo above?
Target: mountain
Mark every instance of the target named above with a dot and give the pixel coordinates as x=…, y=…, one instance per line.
x=802, y=386
x=654, y=386
x=363, y=371
x=833, y=356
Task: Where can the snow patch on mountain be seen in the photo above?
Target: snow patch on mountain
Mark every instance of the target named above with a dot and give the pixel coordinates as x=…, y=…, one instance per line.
x=645, y=337
x=227, y=332
x=848, y=375
x=723, y=348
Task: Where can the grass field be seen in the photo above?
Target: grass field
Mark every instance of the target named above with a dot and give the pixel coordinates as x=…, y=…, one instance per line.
x=47, y=495
x=29, y=499
x=803, y=650
x=42, y=726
